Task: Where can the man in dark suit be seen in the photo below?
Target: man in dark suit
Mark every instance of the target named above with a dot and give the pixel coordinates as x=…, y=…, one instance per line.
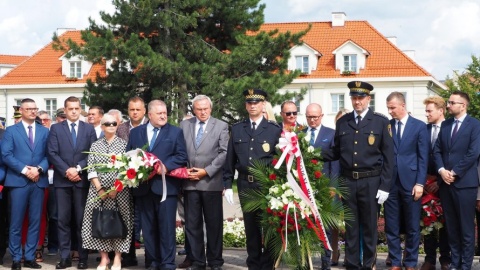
x=3, y=207
x=243, y=148
x=322, y=137
x=67, y=143
x=24, y=154
x=207, y=140
x=409, y=176
x=456, y=155
x=158, y=218
x=435, y=111
x=364, y=146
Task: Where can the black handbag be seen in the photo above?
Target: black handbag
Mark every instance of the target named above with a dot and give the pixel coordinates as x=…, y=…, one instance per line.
x=108, y=223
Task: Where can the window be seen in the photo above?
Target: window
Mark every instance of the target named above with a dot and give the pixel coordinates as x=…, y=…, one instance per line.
x=338, y=102
x=297, y=102
x=372, y=102
x=18, y=102
x=75, y=69
x=51, y=106
x=302, y=64
x=350, y=62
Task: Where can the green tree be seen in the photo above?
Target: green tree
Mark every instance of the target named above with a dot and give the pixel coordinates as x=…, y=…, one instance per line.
x=468, y=82
x=176, y=49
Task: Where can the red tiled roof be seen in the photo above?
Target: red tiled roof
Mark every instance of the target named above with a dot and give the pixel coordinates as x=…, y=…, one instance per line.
x=385, y=59
x=45, y=67
x=12, y=59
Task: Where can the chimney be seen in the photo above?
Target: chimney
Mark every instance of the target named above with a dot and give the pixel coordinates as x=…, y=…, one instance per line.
x=61, y=31
x=338, y=19
x=393, y=40
x=410, y=53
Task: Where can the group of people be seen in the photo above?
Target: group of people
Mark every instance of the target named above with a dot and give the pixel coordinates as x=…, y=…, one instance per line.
x=381, y=161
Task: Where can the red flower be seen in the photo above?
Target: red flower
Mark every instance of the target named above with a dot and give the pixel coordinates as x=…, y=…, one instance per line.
x=274, y=161
x=118, y=185
x=269, y=210
x=273, y=176
x=314, y=161
x=318, y=174
x=114, y=158
x=279, y=230
x=131, y=173
x=427, y=221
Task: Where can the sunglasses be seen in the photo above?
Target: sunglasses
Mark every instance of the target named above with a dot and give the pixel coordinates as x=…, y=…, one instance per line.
x=290, y=113
x=110, y=124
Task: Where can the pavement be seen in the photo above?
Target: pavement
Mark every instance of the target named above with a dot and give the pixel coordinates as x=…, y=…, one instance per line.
x=234, y=258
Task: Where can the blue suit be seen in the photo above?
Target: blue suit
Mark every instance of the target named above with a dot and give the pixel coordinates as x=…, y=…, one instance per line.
x=459, y=198
x=158, y=219
x=70, y=195
x=24, y=193
x=410, y=169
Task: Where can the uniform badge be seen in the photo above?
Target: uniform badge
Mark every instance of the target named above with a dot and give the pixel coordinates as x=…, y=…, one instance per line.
x=371, y=139
x=266, y=147
x=389, y=127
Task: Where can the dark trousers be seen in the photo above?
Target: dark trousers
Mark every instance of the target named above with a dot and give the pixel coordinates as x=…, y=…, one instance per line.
x=400, y=203
x=258, y=257
x=3, y=222
x=459, y=211
x=52, y=220
x=70, y=205
x=363, y=206
x=437, y=239
x=200, y=207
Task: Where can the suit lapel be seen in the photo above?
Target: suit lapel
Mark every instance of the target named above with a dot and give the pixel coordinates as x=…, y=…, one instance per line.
x=23, y=133
x=192, y=130
x=318, y=140
x=448, y=129
x=209, y=126
x=163, y=131
x=460, y=130
x=68, y=134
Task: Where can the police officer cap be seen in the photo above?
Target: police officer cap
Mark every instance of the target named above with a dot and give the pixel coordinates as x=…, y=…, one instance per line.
x=16, y=112
x=358, y=88
x=61, y=113
x=254, y=95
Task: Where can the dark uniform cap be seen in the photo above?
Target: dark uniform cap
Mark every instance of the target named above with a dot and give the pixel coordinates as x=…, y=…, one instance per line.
x=358, y=88
x=61, y=113
x=255, y=95
x=17, y=114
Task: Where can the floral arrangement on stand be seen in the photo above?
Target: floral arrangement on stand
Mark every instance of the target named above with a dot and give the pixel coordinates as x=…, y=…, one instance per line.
x=432, y=211
x=297, y=201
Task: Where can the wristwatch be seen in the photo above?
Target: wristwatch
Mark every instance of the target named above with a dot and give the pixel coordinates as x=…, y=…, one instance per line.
x=40, y=169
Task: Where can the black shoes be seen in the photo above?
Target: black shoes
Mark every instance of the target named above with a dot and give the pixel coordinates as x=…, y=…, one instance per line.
x=182, y=252
x=216, y=267
x=16, y=265
x=64, y=263
x=128, y=261
x=31, y=264
x=82, y=264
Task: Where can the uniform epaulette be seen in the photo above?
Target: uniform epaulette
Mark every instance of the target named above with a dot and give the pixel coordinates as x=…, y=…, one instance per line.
x=273, y=123
x=381, y=114
x=241, y=122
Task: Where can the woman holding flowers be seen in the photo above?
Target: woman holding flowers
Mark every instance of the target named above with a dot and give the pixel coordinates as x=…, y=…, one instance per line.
x=101, y=182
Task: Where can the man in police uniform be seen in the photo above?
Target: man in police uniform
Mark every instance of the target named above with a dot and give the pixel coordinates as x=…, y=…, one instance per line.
x=252, y=139
x=364, y=146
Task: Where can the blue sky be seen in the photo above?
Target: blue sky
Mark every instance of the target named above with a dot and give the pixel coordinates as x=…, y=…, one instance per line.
x=443, y=33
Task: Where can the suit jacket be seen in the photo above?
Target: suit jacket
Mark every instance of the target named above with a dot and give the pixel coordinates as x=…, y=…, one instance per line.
x=123, y=130
x=62, y=155
x=210, y=153
x=325, y=140
x=170, y=148
x=17, y=153
x=462, y=154
x=411, y=153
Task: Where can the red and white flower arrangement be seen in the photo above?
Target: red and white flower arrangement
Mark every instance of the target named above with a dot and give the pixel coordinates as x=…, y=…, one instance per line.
x=432, y=211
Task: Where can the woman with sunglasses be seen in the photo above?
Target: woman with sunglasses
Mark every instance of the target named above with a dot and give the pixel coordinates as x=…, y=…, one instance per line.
x=100, y=182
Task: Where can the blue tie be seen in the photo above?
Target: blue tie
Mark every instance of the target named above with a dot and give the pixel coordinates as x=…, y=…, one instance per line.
x=455, y=130
x=399, y=130
x=30, y=136
x=74, y=134
x=199, y=134
x=312, y=136
x=154, y=137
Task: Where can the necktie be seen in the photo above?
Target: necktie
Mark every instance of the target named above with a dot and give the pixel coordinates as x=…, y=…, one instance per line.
x=101, y=134
x=199, y=134
x=154, y=137
x=253, y=127
x=455, y=130
x=312, y=136
x=435, y=134
x=30, y=136
x=359, y=119
x=399, y=131
x=74, y=134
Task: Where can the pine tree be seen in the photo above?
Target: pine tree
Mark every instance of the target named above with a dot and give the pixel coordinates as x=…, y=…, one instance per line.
x=174, y=50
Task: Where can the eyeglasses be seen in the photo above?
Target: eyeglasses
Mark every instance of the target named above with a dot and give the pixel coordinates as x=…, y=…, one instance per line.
x=454, y=102
x=313, y=117
x=110, y=124
x=30, y=109
x=45, y=120
x=290, y=113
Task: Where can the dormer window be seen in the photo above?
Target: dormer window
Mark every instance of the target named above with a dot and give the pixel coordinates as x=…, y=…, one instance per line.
x=75, y=69
x=350, y=62
x=302, y=64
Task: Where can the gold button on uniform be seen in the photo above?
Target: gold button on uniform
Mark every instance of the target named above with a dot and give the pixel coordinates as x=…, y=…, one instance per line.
x=354, y=153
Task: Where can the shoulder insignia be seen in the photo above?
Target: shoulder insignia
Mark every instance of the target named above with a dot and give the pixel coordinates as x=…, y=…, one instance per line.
x=273, y=123
x=241, y=122
x=381, y=114
x=389, y=127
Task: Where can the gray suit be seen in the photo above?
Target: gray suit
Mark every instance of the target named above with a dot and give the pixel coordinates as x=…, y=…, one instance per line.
x=205, y=196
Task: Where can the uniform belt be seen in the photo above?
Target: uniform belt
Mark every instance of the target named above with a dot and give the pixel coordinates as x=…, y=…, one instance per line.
x=359, y=175
x=248, y=177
